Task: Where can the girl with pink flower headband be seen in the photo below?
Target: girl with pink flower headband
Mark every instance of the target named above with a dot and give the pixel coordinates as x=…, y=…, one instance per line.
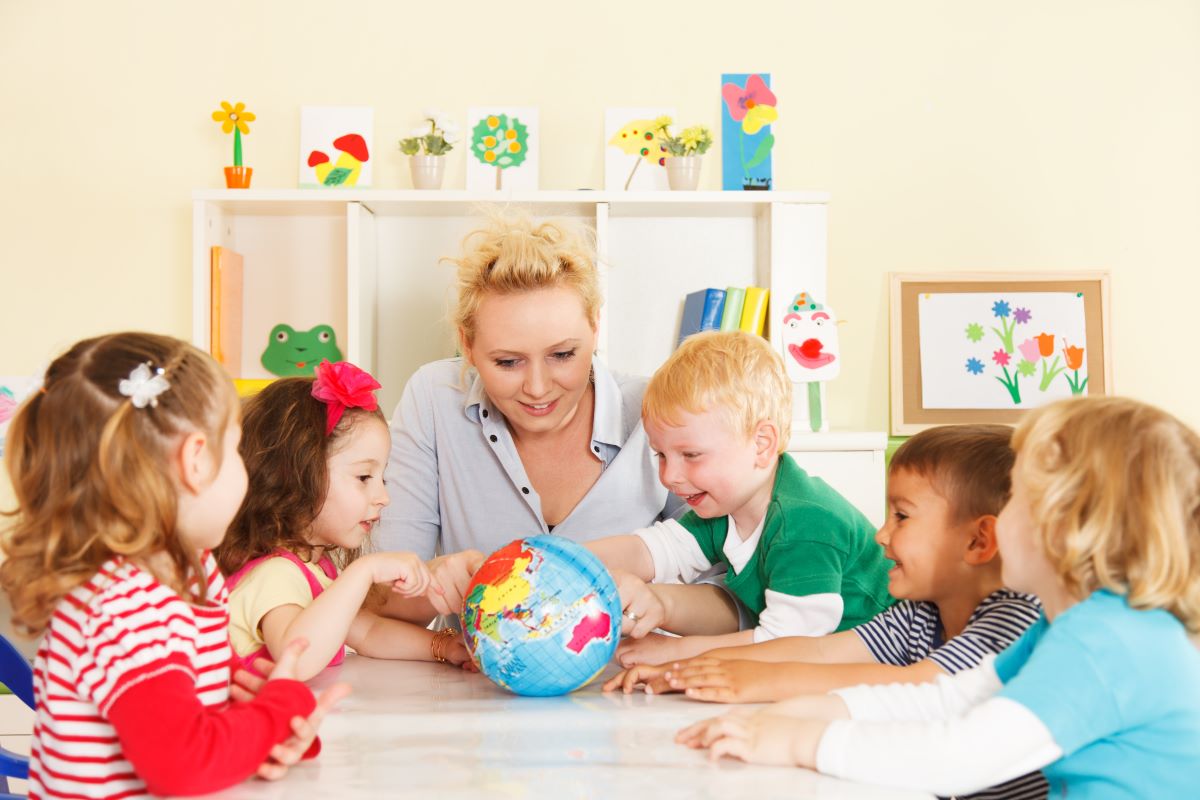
x=315, y=451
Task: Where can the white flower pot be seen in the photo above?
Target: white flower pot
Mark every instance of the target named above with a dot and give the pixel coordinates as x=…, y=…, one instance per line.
x=427, y=171
x=683, y=172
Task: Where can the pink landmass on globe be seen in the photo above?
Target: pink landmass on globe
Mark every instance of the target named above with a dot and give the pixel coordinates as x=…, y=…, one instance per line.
x=589, y=629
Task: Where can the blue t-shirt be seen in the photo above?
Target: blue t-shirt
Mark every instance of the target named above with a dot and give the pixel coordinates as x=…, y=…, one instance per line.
x=1119, y=690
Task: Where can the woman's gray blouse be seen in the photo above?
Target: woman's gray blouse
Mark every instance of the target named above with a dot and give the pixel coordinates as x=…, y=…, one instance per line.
x=456, y=481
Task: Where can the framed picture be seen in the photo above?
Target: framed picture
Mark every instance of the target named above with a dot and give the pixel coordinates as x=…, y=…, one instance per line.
x=979, y=347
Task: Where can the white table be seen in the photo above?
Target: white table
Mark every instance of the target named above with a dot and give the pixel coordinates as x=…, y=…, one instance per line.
x=420, y=730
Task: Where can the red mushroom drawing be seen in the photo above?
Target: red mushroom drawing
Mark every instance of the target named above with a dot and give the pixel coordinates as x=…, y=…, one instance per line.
x=352, y=152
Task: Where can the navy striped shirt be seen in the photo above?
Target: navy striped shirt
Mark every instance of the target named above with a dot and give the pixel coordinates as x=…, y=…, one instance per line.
x=911, y=631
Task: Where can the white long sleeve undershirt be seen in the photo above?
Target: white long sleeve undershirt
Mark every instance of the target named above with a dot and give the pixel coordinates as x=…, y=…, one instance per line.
x=678, y=559
x=951, y=736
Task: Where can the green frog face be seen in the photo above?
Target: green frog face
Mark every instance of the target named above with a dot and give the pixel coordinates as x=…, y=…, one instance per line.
x=291, y=352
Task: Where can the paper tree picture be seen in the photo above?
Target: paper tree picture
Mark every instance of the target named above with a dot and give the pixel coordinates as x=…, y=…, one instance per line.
x=747, y=111
x=633, y=157
x=984, y=350
x=503, y=149
x=335, y=146
x=811, y=353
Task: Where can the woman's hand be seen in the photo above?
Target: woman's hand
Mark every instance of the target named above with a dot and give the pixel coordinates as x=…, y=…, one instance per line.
x=641, y=609
x=453, y=573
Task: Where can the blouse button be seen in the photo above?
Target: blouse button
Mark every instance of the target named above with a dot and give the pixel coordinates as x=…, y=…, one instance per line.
x=485, y=413
x=492, y=437
x=524, y=490
x=596, y=448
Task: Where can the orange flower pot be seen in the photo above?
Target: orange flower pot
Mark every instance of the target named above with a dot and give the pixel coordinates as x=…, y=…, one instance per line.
x=238, y=177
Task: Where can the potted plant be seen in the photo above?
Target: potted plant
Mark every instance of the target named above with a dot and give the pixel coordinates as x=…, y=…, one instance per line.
x=235, y=119
x=427, y=146
x=684, y=150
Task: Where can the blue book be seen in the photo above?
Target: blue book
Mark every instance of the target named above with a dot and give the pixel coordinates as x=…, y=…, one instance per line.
x=701, y=312
x=714, y=306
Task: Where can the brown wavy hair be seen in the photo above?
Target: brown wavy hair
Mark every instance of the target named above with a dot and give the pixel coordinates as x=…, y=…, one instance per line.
x=1114, y=491
x=90, y=471
x=286, y=453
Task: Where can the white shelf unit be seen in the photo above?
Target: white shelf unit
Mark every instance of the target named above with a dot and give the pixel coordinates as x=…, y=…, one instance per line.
x=367, y=262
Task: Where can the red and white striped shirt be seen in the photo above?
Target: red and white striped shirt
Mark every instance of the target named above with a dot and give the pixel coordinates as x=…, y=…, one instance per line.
x=130, y=679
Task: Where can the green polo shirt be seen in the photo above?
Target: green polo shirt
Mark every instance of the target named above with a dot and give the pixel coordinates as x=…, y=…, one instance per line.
x=813, y=542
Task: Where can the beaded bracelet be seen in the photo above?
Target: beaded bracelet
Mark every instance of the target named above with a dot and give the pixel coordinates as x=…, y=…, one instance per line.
x=437, y=645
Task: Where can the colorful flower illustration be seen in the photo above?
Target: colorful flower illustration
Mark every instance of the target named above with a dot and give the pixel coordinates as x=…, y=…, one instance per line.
x=975, y=332
x=1026, y=368
x=234, y=119
x=752, y=105
x=974, y=366
x=1001, y=358
x=1045, y=344
x=1022, y=315
x=1074, y=357
x=1030, y=351
x=500, y=141
x=1002, y=310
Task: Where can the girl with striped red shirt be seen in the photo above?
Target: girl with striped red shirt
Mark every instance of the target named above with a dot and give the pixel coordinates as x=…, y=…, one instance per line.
x=126, y=472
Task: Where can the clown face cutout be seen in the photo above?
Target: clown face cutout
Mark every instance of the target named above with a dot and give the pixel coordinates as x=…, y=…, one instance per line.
x=810, y=341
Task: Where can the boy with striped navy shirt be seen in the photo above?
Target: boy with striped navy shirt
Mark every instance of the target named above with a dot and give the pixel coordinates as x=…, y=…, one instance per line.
x=945, y=488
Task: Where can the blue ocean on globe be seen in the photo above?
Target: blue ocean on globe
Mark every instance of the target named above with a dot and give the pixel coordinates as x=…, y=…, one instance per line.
x=542, y=616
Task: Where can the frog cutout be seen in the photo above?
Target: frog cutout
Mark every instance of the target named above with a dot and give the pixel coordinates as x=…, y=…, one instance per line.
x=291, y=352
x=810, y=341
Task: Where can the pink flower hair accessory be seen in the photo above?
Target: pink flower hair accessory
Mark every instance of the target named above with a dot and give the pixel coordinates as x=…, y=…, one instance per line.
x=340, y=386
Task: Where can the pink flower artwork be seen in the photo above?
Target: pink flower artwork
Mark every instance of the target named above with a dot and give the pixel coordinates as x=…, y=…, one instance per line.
x=1001, y=358
x=1029, y=350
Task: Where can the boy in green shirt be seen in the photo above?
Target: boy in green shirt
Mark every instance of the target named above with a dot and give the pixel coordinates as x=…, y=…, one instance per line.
x=801, y=559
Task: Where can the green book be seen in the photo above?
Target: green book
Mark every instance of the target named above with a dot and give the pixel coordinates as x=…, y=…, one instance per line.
x=732, y=316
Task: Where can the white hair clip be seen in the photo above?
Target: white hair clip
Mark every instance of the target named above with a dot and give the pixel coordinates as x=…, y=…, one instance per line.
x=143, y=388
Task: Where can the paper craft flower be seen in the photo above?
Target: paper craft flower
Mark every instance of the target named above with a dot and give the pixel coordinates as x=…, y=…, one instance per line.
x=1001, y=308
x=974, y=331
x=1074, y=356
x=1026, y=368
x=1045, y=344
x=343, y=385
x=752, y=105
x=1001, y=358
x=234, y=119
x=143, y=386
x=974, y=366
x=1022, y=315
x=1030, y=350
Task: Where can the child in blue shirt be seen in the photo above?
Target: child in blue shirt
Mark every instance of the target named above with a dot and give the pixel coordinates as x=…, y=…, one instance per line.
x=1103, y=693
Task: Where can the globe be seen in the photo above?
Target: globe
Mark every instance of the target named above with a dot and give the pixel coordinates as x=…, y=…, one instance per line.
x=542, y=616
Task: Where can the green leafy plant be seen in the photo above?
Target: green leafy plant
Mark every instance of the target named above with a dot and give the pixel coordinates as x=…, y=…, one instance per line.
x=693, y=141
x=436, y=136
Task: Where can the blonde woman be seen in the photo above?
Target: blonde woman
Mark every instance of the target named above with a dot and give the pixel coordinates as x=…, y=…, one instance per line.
x=528, y=432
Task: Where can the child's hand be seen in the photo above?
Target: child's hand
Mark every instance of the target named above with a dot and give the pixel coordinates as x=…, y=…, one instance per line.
x=758, y=739
x=715, y=681
x=408, y=574
x=652, y=649
x=642, y=610
x=304, y=730
x=453, y=573
x=652, y=677
x=456, y=653
x=245, y=684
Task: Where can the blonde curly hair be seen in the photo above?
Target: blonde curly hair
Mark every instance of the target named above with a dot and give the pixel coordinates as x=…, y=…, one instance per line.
x=90, y=471
x=734, y=372
x=1114, y=492
x=514, y=253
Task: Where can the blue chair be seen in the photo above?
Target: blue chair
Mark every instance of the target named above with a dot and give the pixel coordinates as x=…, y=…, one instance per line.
x=17, y=675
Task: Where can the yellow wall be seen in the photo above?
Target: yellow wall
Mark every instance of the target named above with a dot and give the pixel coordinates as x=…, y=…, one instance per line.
x=953, y=135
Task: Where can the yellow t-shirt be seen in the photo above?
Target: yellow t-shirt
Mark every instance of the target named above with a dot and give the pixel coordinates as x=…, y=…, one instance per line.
x=273, y=583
